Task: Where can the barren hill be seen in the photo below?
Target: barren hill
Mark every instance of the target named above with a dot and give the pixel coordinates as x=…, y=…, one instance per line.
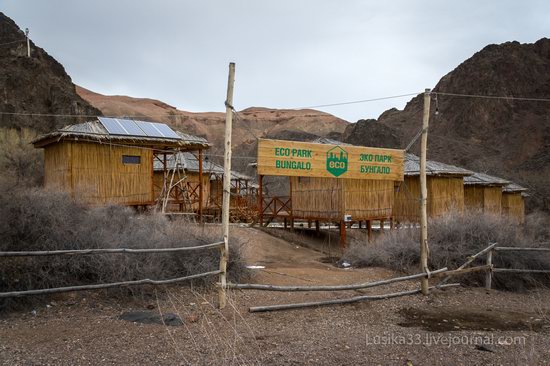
x=249, y=124
x=509, y=138
x=36, y=84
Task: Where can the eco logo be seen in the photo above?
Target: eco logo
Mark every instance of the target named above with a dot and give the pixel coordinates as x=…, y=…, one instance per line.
x=337, y=161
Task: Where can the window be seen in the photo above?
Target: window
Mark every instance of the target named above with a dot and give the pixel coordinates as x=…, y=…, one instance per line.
x=131, y=159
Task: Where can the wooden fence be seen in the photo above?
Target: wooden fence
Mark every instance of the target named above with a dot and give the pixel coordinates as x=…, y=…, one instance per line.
x=145, y=281
x=492, y=270
x=443, y=272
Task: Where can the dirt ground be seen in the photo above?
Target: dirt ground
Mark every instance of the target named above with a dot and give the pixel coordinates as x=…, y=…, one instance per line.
x=458, y=326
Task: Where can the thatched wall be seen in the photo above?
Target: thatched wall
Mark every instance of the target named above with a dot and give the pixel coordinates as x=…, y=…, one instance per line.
x=330, y=198
x=513, y=206
x=445, y=193
x=483, y=198
x=57, y=166
x=368, y=199
x=96, y=174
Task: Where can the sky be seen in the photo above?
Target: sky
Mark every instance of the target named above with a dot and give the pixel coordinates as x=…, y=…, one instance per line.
x=288, y=53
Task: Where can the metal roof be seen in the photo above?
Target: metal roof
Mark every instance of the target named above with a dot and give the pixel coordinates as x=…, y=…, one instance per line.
x=190, y=163
x=435, y=168
x=513, y=188
x=96, y=132
x=327, y=141
x=482, y=179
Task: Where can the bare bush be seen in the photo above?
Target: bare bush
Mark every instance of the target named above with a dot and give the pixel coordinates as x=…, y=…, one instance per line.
x=21, y=164
x=45, y=220
x=454, y=237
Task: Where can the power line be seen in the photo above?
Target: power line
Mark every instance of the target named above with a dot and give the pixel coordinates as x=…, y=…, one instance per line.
x=357, y=101
x=494, y=97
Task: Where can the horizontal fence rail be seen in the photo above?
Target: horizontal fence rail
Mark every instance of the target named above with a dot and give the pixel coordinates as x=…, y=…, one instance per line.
x=105, y=285
x=517, y=249
x=145, y=281
x=257, y=309
x=107, y=251
x=492, y=269
x=251, y=286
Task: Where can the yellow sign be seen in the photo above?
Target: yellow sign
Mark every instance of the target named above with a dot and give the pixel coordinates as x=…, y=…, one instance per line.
x=302, y=159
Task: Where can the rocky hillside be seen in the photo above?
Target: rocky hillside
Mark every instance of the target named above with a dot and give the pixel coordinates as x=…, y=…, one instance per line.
x=38, y=84
x=502, y=137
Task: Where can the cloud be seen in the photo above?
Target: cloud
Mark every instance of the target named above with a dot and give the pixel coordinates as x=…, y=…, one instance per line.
x=288, y=53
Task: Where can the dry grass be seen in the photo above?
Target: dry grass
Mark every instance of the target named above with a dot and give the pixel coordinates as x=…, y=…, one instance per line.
x=20, y=163
x=43, y=220
x=454, y=237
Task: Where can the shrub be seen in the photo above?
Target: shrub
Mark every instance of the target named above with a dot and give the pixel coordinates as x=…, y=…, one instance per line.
x=43, y=220
x=20, y=163
x=454, y=237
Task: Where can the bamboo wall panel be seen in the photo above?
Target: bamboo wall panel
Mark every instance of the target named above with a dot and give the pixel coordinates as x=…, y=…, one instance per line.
x=483, y=198
x=445, y=194
x=473, y=197
x=406, y=206
x=368, y=199
x=492, y=200
x=317, y=198
x=513, y=207
x=99, y=175
x=57, y=166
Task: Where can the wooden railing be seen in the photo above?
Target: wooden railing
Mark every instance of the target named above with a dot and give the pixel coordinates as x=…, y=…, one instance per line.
x=146, y=281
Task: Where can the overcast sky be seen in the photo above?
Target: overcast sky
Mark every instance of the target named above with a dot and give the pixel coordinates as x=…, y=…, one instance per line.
x=288, y=53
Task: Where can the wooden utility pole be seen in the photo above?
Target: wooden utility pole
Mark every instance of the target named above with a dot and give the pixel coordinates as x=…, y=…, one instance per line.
x=424, y=195
x=28, y=42
x=224, y=257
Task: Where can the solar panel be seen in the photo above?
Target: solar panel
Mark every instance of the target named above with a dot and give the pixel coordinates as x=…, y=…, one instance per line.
x=131, y=127
x=166, y=131
x=128, y=127
x=112, y=126
x=149, y=129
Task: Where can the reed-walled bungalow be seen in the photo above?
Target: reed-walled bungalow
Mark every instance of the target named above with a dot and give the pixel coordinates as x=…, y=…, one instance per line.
x=445, y=190
x=110, y=160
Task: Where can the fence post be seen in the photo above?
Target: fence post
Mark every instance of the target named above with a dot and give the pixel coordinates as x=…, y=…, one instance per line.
x=489, y=273
x=226, y=198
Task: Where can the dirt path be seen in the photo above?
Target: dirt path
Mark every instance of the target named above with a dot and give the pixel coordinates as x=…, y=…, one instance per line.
x=454, y=327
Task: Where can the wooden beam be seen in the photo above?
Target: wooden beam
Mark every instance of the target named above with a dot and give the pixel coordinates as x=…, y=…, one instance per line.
x=357, y=286
x=201, y=188
x=257, y=309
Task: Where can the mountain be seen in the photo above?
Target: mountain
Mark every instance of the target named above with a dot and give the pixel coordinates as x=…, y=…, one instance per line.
x=36, y=84
x=248, y=125
x=508, y=138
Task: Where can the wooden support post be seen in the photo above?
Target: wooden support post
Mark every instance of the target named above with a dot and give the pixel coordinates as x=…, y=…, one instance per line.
x=342, y=234
x=309, y=224
x=489, y=273
x=224, y=251
x=424, y=194
x=381, y=225
x=391, y=223
x=260, y=200
x=317, y=226
x=285, y=223
x=360, y=224
x=290, y=197
x=369, y=230
x=201, y=187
